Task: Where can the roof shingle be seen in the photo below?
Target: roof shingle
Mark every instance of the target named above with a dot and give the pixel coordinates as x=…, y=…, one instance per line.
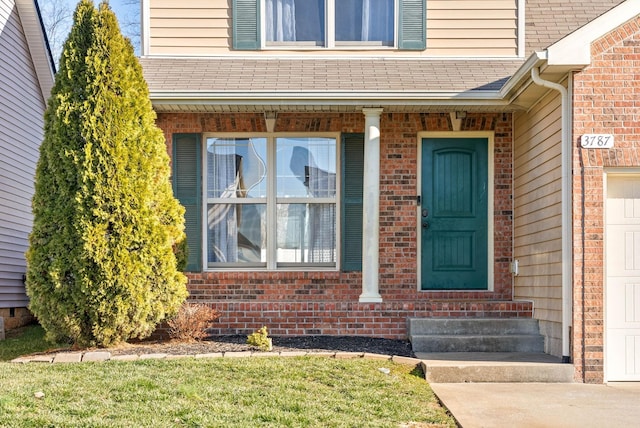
x=308, y=75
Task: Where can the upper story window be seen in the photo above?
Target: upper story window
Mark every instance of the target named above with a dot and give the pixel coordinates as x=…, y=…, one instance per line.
x=329, y=22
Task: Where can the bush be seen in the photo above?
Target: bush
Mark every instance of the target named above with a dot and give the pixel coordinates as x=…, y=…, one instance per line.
x=260, y=339
x=192, y=321
x=101, y=262
x=181, y=250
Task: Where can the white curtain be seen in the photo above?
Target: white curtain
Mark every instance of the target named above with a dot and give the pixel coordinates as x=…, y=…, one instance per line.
x=322, y=217
x=376, y=25
x=281, y=20
x=224, y=178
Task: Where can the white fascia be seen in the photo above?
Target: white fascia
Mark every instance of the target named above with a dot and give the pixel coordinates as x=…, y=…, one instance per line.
x=40, y=53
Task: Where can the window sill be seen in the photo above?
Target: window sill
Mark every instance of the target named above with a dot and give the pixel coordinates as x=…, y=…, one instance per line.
x=327, y=49
x=265, y=270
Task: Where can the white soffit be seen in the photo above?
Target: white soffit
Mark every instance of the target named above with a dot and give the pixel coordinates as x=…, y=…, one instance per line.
x=575, y=48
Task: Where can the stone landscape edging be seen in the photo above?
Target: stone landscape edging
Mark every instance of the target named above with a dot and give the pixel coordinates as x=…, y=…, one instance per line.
x=103, y=356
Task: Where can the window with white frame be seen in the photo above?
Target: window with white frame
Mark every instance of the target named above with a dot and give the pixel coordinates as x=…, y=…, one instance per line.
x=271, y=201
x=330, y=22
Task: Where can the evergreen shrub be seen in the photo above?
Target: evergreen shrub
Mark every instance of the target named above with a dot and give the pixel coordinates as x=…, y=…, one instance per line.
x=101, y=262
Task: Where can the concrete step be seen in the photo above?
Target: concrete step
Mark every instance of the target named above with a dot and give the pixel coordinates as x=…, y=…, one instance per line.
x=475, y=335
x=460, y=367
x=471, y=326
x=478, y=343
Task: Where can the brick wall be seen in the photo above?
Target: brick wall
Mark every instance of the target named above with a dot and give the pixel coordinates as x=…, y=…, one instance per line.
x=293, y=303
x=18, y=317
x=606, y=100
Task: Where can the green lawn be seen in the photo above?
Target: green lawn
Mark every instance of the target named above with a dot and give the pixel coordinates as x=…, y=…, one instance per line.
x=222, y=392
x=25, y=340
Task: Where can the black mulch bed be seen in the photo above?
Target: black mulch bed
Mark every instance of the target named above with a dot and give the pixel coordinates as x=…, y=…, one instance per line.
x=238, y=343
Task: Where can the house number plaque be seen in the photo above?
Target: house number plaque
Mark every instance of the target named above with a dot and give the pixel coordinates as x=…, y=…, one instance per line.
x=596, y=141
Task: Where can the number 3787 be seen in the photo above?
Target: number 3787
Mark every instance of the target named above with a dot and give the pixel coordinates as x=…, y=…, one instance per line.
x=596, y=141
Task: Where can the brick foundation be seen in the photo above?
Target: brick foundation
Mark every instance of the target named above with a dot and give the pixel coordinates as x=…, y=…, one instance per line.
x=19, y=317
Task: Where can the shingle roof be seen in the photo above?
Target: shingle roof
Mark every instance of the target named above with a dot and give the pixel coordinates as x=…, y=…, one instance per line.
x=227, y=77
x=547, y=21
x=308, y=75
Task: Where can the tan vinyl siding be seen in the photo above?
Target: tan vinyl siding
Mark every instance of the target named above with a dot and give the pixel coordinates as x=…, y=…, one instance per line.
x=190, y=27
x=537, y=215
x=454, y=28
x=473, y=27
x=21, y=124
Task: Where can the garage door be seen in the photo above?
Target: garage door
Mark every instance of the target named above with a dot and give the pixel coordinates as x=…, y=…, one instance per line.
x=622, y=349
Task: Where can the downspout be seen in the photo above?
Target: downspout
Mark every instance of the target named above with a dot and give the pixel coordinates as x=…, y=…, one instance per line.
x=567, y=259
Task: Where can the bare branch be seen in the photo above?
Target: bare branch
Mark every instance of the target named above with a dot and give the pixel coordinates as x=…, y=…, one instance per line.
x=57, y=17
x=129, y=19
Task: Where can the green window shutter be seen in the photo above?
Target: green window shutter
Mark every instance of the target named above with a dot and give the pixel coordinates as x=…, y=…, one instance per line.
x=246, y=24
x=352, y=182
x=412, y=24
x=187, y=187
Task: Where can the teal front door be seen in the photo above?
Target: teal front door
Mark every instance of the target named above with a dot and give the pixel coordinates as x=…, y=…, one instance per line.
x=453, y=213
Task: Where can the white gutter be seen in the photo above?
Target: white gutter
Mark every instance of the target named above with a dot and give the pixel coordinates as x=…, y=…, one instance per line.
x=453, y=101
x=330, y=97
x=511, y=88
x=567, y=259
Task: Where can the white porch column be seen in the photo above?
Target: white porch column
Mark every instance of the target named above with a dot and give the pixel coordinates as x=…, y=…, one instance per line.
x=371, y=206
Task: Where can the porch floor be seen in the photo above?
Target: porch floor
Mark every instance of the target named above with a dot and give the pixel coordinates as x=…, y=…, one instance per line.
x=461, y=367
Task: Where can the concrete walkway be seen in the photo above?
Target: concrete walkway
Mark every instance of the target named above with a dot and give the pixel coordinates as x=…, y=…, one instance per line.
x=544, y=405
x=496, y=367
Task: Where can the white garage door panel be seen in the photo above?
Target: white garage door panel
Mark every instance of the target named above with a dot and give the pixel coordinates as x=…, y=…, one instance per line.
x=623, y=304
x=622, y=254
x=623, y=211
x=623, y=250
x=625, y=363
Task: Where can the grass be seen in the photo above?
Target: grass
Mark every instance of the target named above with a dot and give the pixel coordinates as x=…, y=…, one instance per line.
x=222, y=392
x=25, y=340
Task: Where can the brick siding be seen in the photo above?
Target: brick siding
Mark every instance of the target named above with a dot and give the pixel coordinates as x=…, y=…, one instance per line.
x=293, y=303
x=606, y=100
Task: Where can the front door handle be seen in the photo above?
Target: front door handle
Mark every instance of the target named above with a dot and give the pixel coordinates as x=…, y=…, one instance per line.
x=425, y=225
